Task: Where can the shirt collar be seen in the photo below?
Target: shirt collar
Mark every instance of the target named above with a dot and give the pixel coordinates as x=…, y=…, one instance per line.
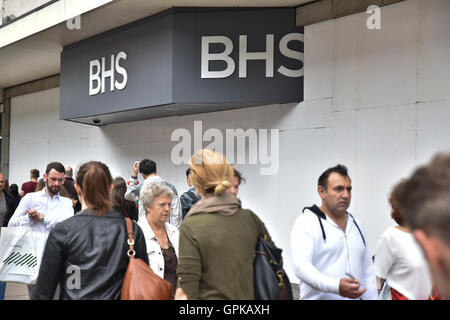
x=148, y=231
x=43, y=193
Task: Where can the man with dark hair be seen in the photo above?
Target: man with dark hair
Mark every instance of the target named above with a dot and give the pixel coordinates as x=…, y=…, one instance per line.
x=424, y=198
x=30, y=186
x=147, y=168
x=323, y=179
x=236, y=182
x=329, y=248
x=190, y=197
x=42, y=210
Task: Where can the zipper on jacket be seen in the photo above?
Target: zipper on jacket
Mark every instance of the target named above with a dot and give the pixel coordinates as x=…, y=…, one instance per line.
x=349, y=269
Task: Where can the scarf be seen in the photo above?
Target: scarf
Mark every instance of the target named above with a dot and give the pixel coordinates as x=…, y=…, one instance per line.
x=225, y=204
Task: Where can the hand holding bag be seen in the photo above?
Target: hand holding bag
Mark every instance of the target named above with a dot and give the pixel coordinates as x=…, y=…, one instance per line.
x=140, y=282
x=20, y=254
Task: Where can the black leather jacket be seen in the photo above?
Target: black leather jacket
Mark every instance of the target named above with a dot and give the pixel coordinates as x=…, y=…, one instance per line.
x=87, y=256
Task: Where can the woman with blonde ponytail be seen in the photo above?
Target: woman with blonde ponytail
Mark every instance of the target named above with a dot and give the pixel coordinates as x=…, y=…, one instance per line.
x=217, y=238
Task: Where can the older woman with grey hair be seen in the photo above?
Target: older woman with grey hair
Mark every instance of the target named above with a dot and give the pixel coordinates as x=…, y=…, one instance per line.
x=161, y=237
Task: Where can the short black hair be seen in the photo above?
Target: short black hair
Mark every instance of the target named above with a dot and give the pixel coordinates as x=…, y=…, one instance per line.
x=323, y=179
x=55, y=165
x=238, y=175
x=147, y=167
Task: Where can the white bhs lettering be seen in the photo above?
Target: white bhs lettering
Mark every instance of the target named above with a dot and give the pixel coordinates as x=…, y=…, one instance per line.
x=98, y=74
x=244, y=56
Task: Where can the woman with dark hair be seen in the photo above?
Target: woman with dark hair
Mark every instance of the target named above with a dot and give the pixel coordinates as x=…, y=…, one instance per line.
x=236, y=182
x=120, y=204
x=87, y=254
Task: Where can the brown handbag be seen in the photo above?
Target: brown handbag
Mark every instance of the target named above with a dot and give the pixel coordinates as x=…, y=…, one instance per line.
x=140, y=282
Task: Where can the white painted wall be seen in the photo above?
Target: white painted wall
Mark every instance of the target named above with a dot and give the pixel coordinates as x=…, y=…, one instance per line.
x=377, y=101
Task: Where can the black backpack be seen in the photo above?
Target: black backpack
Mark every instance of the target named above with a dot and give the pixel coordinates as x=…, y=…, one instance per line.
x=195, y=198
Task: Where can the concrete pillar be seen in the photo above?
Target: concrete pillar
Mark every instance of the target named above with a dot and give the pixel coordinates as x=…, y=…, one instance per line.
x=4, y=151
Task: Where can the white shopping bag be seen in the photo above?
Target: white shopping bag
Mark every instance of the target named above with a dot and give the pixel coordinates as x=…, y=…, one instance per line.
x=385, y=293
x=20, y=254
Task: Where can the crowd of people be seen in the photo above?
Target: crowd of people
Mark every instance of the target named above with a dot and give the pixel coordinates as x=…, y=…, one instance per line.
x=203, y=241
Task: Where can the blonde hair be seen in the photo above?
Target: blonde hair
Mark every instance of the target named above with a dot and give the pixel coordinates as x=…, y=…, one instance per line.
x=210, y=172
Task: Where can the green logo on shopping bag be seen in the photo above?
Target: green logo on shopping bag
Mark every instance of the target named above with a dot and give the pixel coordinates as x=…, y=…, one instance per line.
x=18, y=259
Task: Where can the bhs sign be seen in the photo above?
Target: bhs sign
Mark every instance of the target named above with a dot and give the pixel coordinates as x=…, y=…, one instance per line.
x=245, y=56
x=98, y=72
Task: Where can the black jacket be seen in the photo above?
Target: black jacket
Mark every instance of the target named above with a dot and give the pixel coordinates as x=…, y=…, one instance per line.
x=87, y=256
x=11, y=205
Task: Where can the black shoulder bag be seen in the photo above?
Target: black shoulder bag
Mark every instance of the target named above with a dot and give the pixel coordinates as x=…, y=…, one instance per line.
x=271, y=281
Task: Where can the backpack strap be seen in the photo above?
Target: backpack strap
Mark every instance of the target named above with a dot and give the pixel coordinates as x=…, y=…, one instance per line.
x=320, y=215
x=193, y=196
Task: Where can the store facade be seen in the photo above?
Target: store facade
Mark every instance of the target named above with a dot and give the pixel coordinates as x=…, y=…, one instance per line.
x=375, y=100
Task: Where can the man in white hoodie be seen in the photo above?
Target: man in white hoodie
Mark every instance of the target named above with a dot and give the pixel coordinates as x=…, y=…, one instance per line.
x=329, y=249
x=147, y=168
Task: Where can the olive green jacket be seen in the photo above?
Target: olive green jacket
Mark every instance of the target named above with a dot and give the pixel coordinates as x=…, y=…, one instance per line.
x=216, y=254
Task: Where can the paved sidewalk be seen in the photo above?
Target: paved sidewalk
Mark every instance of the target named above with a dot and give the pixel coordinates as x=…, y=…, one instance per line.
x=16, y=291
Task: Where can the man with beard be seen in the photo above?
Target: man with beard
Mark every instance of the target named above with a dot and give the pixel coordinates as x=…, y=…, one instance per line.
x=329, y=248
x=42, y=210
